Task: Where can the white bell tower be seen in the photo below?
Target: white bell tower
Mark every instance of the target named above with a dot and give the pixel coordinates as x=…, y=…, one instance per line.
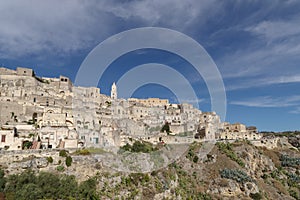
x=113, y=92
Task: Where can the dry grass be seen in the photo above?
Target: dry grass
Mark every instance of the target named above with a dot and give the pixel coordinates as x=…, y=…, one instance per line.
x=273, y=155
x=223, y=182
x=280, y=187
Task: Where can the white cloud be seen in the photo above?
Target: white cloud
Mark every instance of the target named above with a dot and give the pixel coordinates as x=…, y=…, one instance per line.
x=268, y=101
x=173, y=13
x=262, y=60
x=262, y=82
x=272, y=46
x=295, y=111
x=274, y=30
x=193, y=101
x=31, y=27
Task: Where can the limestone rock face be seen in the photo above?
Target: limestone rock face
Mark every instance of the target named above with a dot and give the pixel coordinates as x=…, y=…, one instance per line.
x=184, y=177
x=33, y=163
x=41, y=162
x=255, y=161
x=295, y=141
x=27, y=164
x=250, y=188
x=232, y=189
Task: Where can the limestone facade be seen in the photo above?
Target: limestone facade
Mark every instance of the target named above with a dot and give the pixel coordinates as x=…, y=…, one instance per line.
x=61, y=115
x=239, y=131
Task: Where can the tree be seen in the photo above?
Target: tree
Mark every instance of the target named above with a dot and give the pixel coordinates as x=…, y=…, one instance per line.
x=15, y=185
x=87, y=189
x=48, y=184
x=68, y=187
x=2, y=180
x=166, y=128
x=68, y=161
x=29, y=191
x=63, y=153
x=27, y=144
x=126, y=147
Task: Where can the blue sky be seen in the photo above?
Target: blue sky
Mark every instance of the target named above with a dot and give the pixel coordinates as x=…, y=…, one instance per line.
x=255, y=45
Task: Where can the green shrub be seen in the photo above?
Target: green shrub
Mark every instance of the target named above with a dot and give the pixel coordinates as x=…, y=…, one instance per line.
x=139, y=146
x=293, y=179
x=264, y=176
x=227, y=149
x=126, y=147
x=195, y=159
x=274, y=174
x=50, y=159
x=256, y=196
x=83, y=152
x=294, y=194
x=203, y=196
x=166, y=128
x=191, y=154
x=2, y=180
x=68, y=161
x=289, y=162
x=27, y=144
x=235, y=174
x=60, y=168
x=63, y=153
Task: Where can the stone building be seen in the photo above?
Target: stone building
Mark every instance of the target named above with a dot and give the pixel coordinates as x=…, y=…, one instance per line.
x=114, y=94
x=66, y=116
x=9, y=140
x=24, y=72
x=150, y=102
x=209, y=126
x=239, y=131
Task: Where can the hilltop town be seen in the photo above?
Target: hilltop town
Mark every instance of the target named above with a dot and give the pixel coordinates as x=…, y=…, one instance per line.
x=41, y=113
x=54, y=131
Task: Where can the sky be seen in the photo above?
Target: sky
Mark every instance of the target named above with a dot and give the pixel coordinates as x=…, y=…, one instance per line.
x=255, y=46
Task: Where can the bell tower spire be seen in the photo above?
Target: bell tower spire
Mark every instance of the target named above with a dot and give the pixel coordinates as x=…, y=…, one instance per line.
x=113, y=92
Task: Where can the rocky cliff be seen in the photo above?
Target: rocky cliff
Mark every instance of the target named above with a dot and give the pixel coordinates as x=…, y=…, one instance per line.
x=237, y=170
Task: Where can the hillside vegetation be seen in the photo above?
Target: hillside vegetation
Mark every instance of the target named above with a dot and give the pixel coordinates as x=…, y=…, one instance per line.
x=235, y=170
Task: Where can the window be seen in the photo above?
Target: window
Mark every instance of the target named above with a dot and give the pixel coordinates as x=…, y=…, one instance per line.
x=3, y=137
